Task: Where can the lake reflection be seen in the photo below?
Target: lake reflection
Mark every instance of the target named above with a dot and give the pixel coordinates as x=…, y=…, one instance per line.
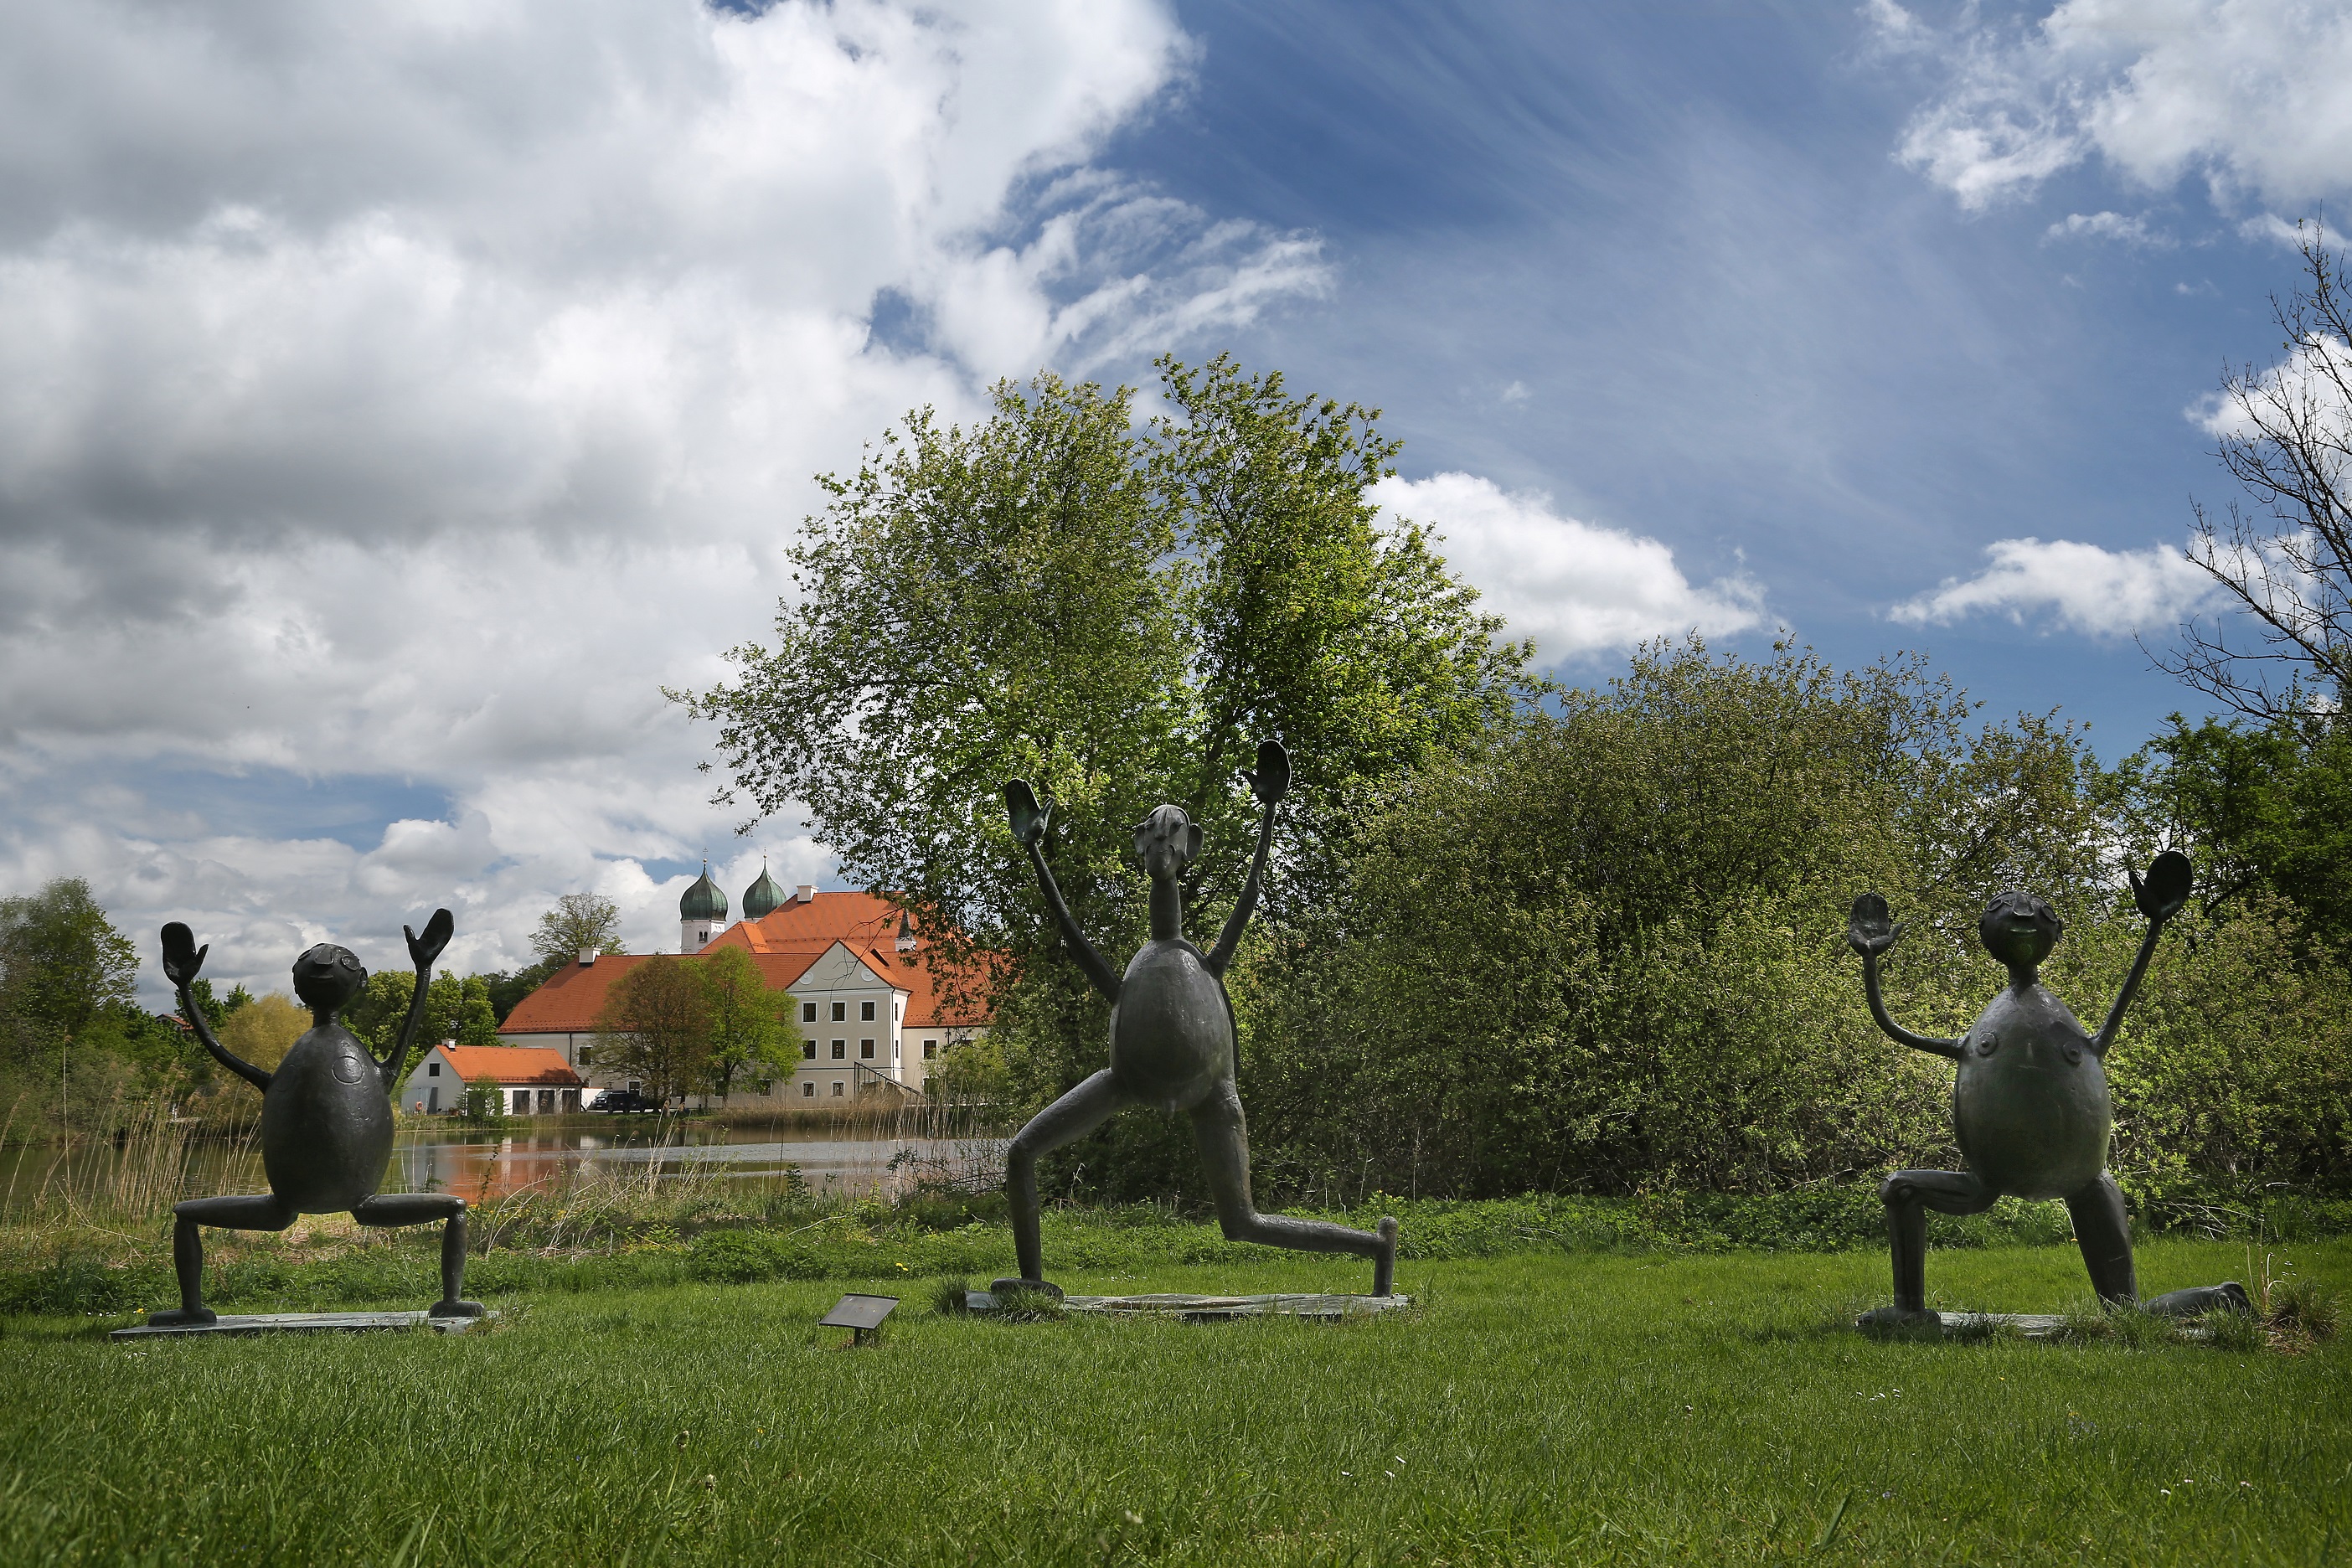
x=476, y=1166
x=483, y=1163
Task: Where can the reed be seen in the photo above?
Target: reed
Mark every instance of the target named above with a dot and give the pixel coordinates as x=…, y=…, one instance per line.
x=128, y=1179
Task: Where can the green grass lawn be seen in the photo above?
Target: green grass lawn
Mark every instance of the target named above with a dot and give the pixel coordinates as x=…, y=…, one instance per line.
x=1535, y=1408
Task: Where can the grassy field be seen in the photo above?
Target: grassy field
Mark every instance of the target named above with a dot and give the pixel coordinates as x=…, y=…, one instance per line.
x=1538, y=1407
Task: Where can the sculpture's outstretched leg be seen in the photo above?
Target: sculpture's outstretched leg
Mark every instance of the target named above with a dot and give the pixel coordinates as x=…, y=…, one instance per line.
x=1223, y=1136
x=1908, y=1196
x=387, y=1211
x=263, y=1211
x=1066, y=1121
x=2104, y=1233
x=2228, y=1295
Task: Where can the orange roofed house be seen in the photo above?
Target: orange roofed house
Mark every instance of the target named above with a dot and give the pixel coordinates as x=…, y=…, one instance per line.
x=531, y=1081
x=873, y=1007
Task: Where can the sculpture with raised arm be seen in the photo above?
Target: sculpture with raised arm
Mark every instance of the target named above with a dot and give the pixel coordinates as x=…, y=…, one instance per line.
x=326, y=1122
x=1171, y=1039
x=2029, y=1104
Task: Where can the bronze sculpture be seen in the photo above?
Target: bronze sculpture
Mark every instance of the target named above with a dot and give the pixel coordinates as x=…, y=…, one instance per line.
x=2029, y=1102
x=326, y=1122
x=1171, y=1039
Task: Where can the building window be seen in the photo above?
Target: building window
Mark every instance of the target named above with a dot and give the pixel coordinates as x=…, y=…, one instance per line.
x=808, y=1050
x=865, y=1049
x=433, y=1070
x=894, y=1050
x=522, y=1102
x=808, y=1090
x=840, y=1011
x=808, y=1012
x=865, y=1012
x=837, y=1087
x=840, y=1049
x=587, y=1055
x=931, y=1050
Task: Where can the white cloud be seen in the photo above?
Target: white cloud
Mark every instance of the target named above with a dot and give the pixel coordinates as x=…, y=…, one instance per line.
x=2083, y=587
x=2115, y=227
x=1575, y=587
x=2255, y=95
x=401, y=395
x=2274, y=229
x=2307, y=389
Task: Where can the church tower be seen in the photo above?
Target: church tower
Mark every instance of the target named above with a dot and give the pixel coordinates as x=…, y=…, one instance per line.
x=765, y=897
x=701, y=913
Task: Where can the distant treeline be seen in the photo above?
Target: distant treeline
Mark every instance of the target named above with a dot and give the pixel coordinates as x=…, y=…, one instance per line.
x=1603, y=950
x=1520, y=937
x=78, y=1053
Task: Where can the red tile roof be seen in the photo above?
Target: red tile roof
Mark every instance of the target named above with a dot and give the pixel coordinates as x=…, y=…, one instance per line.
x=783, y=944
x=508, y=1064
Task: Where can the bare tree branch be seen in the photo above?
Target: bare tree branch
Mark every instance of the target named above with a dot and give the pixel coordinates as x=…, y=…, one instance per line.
x=2285, y=434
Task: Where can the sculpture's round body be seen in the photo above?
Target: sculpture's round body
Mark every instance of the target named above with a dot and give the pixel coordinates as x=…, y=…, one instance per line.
x=326, y=1123
x=2031, y=1104
x=1172, y=1030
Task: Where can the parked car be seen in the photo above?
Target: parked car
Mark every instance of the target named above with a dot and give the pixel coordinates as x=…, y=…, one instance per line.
x=621, y=1102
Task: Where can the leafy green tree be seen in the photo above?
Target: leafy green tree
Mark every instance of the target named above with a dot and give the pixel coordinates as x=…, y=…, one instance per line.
x=755, y=1034
x=508, y=987
x=2262, y=808
x=972, y=1072
x=62, y=963
x=580, y=922
x=264, y=1031
x=473, y=1021
x=375, y=1014
x=656, y=1027
x=1117, y=615
x=1605, y=950
x=455, y=1008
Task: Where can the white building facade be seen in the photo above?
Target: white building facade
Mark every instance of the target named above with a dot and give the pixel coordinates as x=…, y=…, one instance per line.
x=874, y=1012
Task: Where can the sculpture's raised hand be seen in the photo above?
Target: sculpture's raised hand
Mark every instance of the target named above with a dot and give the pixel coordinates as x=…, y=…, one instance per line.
x=1870, y=930
x=1028, y=817
x=181, y=957
x=1271, y=781
x=424, y=950
x=2164, y=892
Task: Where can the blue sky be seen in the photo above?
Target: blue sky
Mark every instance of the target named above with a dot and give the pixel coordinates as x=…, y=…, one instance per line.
x=1741, y=325
x=391, y=403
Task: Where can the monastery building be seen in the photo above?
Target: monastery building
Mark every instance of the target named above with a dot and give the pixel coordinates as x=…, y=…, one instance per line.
x=874, y=1008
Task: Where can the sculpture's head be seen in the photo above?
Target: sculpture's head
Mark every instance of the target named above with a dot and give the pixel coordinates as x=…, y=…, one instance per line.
x=1166, y=842
x=327, y=977
x=2019, y=929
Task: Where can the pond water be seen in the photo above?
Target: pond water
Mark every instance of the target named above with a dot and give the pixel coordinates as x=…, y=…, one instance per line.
x=480, y=1162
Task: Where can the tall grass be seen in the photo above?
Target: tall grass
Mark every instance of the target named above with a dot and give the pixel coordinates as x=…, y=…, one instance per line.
x=125, y=1180
x=128, y=1180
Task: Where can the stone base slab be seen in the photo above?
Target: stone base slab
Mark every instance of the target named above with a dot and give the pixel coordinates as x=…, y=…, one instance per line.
x=301, y=1323
x=1214, y=1309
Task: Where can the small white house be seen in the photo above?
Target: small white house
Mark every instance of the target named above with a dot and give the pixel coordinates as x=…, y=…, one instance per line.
x=531, y=1081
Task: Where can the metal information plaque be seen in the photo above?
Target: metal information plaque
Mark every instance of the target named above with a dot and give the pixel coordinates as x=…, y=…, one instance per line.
x=861, y=1313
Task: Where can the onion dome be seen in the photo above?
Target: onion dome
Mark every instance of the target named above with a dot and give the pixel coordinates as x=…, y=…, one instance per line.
x=703, y=901
x=763, y=897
